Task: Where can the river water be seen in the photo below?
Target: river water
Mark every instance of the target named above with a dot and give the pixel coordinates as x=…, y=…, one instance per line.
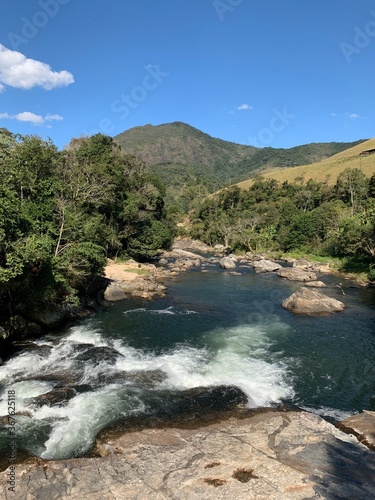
x=212, y=329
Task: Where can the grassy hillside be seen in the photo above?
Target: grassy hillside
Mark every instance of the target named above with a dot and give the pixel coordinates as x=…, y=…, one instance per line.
x=177, y=152
x=325, y=170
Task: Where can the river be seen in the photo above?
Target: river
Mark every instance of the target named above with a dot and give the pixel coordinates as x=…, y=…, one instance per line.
x=213, y=328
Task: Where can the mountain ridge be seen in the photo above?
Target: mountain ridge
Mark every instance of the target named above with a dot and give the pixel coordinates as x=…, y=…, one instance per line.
x=177, y=151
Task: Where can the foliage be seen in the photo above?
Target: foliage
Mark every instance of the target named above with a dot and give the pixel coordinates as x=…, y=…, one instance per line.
x=62, y=213
x=312, y=217
x=192, y=164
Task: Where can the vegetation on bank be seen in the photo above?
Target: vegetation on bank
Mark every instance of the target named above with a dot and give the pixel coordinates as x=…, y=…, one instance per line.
x=62, y=213
x=310, y=218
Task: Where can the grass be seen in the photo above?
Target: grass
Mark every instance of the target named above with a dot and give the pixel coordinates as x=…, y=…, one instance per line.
x=136, y=270
x=326, y=170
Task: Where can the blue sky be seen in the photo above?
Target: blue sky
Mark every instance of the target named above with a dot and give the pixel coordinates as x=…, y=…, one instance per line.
x=264, y=73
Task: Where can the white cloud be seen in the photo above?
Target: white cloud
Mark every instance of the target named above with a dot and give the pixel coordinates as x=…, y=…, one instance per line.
x=244, y=106
x=18, y=71
x=352, y=116
x=29, y=117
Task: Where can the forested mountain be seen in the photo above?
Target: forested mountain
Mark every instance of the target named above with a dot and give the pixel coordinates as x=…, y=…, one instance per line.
x=181, y=156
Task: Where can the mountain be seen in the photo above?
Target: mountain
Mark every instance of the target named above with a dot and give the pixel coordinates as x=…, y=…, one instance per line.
x=177, y=152
x=328, y=169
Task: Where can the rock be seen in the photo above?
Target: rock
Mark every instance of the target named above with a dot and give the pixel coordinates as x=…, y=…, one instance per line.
x=302, y=264
x=56, y=397
x=198, y=401
x=19, y=328
x=312, y=302
x=163, y=261
x=50, y=317
x=144, y=378
x=316, y=284
x=362, y=426
x=295, y=274
x=266, y=266
x=275, y=455
x=321, y=267
x=3, y=334
x=227, y=263
x=190, y=244
x=181, y=254
x=96, y=355
x=114, y=292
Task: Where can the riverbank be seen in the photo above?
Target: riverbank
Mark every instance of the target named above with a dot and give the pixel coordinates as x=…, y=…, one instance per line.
x=273, y=455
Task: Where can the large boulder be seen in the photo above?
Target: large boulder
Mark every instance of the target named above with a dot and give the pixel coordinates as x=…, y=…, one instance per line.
x=362, y=426
x=266, y=266
x=227, y=263
x=295, y=274
x=114, y=292
x=312, y=302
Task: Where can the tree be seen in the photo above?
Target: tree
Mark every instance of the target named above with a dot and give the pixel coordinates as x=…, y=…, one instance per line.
x=352, y=187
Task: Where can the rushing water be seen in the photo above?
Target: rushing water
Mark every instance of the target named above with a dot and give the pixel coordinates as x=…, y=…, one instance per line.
x=212, y=329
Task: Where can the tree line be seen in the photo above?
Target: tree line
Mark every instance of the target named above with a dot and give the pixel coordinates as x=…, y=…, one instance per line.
x=62, y=213
x=310, y=217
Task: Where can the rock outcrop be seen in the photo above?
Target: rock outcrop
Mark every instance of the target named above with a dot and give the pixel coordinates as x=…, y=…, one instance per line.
x=295, y=274
x=312, y=302
x=273, y=456
x=362, y=426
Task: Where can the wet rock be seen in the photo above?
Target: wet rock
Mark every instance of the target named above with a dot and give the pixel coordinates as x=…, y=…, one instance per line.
x=19, y=328
x=227, y=263
x=98, y=355
x=312, y=302
x=273, y=456
x=362, y=426
x=58, y=379
x=196, y=402
x=266, y=266
x=3, y=334
x=143, y=379
x=295, y=274
x=50, y=317
x=56, y=397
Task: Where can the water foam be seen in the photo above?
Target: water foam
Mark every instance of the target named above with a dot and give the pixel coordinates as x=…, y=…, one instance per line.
x=237, y=356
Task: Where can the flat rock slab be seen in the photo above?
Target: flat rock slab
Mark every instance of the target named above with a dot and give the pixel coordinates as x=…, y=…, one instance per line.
x=295, y=274
x=312, y=302
x=272, y=456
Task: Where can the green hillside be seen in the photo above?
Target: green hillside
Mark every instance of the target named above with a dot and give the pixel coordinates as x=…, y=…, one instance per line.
x=326, y=170
x=178, y=153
